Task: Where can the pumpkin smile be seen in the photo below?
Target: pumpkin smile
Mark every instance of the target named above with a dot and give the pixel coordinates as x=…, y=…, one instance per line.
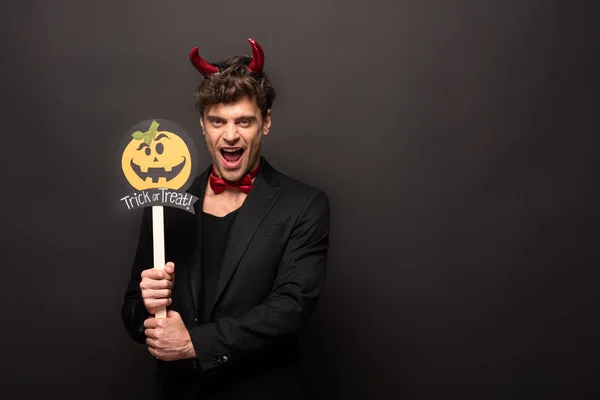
x=158, y=172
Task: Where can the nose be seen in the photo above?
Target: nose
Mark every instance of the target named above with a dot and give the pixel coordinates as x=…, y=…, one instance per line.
x=231, y=134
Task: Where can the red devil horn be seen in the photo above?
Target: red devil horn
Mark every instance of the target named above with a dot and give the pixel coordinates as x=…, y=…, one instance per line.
x=204, y=67
x=258, y=58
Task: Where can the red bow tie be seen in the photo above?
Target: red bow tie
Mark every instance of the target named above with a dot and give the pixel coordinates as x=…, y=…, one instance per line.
x=218, y=185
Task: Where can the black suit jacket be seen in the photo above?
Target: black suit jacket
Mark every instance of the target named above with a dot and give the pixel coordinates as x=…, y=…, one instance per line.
x=271, y=279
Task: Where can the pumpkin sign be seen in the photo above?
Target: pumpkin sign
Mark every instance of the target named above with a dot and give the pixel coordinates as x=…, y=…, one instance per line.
x=156, y=159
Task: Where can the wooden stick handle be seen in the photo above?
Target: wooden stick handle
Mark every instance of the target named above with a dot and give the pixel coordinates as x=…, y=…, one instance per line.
x=158, y=238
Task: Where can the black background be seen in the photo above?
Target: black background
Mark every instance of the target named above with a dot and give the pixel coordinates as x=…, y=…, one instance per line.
x=457, y=141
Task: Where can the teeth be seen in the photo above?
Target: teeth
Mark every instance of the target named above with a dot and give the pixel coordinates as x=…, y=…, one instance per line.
x=230, y=150
x=162, y=180
x=168, y=168
x=144, y=168
x=148, y=179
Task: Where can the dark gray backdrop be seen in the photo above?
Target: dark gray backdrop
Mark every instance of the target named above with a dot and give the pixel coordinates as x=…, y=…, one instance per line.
x=456, y=139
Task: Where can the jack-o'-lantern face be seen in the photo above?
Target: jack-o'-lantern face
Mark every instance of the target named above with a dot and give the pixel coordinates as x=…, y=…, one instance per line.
x=156, y=159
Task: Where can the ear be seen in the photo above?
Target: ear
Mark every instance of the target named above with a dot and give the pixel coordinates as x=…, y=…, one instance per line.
x=267, y=123
x=202, y=123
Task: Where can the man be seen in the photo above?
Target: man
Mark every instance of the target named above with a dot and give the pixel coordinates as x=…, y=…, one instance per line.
x=245, y=273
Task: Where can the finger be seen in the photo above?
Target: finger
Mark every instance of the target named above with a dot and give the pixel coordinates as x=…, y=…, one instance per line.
x=155, y=329
x=155, y=323
x=156, y=294
x=173, y=314
x=169, y=268
x=151, y=273
x=151, y=323
x=147, y=283
x=155, y=274
x=153, y=304
x=153, y=351
x=150, y=333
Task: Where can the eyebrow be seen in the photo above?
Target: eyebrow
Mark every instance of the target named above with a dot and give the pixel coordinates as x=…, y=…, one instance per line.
x=141, y=146
x=249, y=117
x=213, y=118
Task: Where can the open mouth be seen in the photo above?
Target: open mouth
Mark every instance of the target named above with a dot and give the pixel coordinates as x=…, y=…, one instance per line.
x=156, y=173
x=232, y=156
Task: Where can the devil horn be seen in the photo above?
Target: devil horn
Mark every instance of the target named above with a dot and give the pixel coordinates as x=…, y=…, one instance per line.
x=258, y=58
x=204, y=67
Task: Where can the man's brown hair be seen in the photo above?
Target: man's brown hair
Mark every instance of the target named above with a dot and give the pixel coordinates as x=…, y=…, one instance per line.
x=233, y=82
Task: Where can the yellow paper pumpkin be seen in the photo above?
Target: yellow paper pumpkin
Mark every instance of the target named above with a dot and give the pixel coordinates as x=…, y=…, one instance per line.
x=156, y=159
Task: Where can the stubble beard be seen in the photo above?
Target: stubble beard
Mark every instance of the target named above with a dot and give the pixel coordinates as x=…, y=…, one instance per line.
x=223, y=173
x=217, y=159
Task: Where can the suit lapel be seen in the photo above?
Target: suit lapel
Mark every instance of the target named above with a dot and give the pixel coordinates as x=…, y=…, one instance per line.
x=265, y=192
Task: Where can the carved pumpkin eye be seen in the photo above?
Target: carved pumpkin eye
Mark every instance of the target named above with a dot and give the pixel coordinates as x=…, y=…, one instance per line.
x=147, y=151
x=160, y=148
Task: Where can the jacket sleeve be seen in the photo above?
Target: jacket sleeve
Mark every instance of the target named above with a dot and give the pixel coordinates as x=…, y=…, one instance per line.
x=285, y=312
x=133, y=311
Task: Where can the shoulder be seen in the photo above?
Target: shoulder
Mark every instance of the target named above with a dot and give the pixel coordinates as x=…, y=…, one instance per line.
x=299, y=187
x=308, y=197
x=309, y=208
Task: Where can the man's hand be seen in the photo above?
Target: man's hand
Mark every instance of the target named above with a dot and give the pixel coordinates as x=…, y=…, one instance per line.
x=168, y=339
x=156, y=287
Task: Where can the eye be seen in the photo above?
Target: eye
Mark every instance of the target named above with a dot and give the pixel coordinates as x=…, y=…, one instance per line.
x=160, y=148
x=147, y=151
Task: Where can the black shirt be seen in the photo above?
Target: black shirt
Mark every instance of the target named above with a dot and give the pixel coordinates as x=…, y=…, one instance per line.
x=216, y=232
